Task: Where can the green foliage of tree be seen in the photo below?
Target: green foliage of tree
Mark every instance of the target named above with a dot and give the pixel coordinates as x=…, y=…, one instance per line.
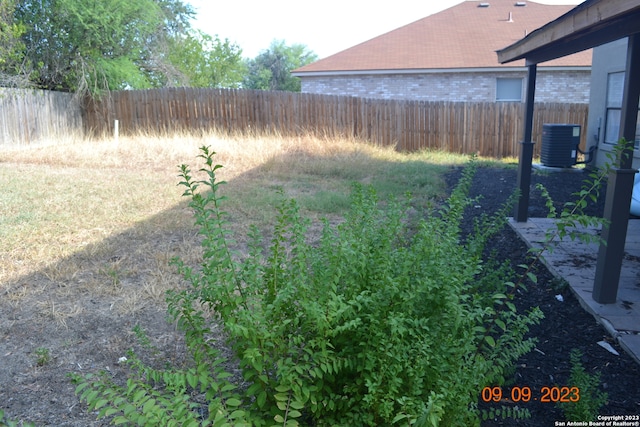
x=94, y=45
x=11, y=46
x=206, y=61
x=271, y=69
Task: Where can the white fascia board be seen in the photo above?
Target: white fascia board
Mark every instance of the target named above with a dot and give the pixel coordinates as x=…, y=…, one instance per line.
x=541, y=68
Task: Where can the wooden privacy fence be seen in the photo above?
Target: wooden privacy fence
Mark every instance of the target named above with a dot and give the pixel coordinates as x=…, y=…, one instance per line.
x=29, y=116
x=489, y=129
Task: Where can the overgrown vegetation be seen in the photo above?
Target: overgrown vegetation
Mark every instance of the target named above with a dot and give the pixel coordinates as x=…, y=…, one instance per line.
x=131, y=212
x=571, y=221
x=5, y=422
x=388, y=319
x=591, y=398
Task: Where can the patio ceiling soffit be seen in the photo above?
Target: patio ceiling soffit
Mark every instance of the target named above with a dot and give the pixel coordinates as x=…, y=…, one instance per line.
x=590, y=24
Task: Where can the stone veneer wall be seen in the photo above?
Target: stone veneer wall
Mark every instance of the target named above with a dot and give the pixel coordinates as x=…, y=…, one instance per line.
x=551, y=86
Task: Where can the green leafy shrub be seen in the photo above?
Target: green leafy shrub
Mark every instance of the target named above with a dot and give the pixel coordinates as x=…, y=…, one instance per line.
x=572, y=220
x=385, y=321
x=5, y=422
x=591, y=398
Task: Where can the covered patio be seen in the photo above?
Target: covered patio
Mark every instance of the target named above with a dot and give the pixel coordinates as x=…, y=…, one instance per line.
x=575, y=262
x=610, y=289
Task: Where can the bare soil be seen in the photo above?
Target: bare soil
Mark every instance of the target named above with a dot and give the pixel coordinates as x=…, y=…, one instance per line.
x=83, y=333
x=64, y=328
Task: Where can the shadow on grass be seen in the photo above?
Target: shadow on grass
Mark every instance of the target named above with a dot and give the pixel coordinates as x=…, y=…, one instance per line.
x=83, y=309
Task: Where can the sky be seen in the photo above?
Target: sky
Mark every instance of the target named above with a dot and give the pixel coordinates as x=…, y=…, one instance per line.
x=325, y=27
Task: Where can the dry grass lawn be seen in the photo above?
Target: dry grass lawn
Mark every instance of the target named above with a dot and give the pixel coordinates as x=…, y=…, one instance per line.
x=86, y=197
x=88, y=229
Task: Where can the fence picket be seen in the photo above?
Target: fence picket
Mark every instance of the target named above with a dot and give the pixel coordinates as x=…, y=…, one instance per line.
x=489, y=129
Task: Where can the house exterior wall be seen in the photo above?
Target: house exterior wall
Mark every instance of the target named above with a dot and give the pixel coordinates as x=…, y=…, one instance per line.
x=551, y=86
x=608, y=58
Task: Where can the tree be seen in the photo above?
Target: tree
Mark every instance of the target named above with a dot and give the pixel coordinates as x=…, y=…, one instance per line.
x=176, y=16
x=206, y=61
x=89, y=46
x=271, y=69
x=11, y=47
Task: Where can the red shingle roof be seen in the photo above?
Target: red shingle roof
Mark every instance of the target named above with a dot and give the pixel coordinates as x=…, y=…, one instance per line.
x=463, y=36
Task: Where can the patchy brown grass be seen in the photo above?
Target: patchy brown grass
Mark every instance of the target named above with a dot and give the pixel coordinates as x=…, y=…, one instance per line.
x=88, y=229
x=90, y=197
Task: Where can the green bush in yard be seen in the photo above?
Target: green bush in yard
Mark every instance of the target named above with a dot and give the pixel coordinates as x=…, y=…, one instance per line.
x=591, y=400
x=387, y=320
x=6, y=422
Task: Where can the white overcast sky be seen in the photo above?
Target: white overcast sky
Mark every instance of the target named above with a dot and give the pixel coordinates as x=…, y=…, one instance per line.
x=324, y=26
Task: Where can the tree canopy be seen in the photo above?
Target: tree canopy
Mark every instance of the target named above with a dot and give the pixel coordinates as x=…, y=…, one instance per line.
x=207, y=61
x=11, y=46
x=86, y=45
x=271, y=69
x=91, y=46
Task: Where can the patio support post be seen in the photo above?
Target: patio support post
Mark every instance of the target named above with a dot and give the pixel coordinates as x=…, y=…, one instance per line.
x=526, y=149
x=619, y=187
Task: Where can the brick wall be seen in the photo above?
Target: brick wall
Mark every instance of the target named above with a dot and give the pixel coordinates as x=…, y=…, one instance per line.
x=563, y=86
x=551, y=86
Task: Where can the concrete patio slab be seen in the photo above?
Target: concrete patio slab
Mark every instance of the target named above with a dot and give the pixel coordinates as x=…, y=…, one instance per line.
x=575, y=262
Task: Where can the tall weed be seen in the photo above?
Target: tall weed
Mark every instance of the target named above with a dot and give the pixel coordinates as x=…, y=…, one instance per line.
x=591, y=398
x=387, y=320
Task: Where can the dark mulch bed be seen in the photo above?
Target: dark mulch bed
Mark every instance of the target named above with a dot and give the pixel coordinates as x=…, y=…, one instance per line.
x=566, y=324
